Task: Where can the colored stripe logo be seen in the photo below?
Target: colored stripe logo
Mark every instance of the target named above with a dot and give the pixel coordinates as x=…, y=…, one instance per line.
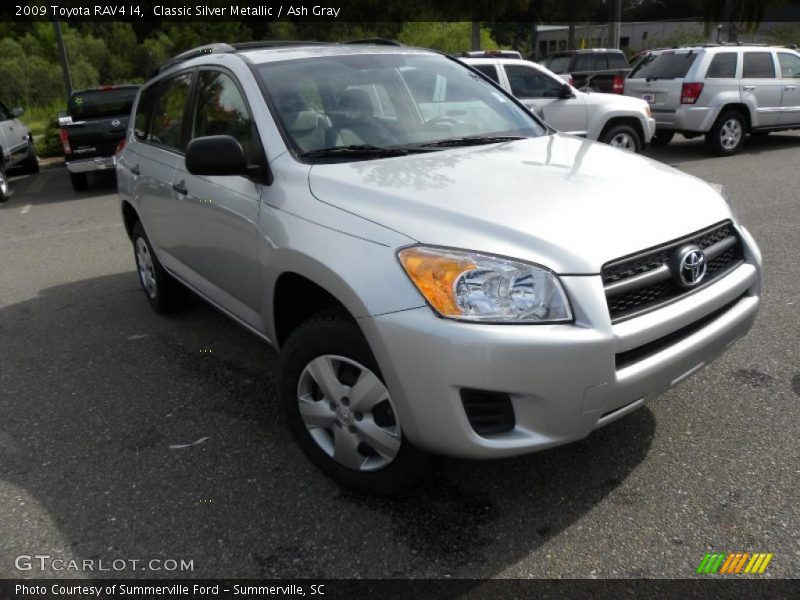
x=734, y=563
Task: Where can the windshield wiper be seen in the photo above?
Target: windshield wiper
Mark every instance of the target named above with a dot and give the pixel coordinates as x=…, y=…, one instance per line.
x=365, y=150
x=473, y=141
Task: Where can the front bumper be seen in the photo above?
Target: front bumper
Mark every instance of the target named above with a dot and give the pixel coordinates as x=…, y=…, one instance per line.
x=88, y=165
x=697, y=119
x=563, y=380
x=649, y=129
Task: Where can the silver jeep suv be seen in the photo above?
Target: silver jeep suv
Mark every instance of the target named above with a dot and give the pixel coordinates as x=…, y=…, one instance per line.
x=722, y=92
x=441, y=272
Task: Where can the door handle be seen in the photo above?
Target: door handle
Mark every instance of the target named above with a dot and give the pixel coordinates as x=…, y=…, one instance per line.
x=790, y=87
x=749, y=88
x=135, y=170
x=180, y=188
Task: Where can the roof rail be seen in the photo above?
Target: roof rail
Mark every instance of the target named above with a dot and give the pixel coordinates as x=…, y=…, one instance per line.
x=217, y=48
x=275, y=44
x=790, y=46
x=376, y=41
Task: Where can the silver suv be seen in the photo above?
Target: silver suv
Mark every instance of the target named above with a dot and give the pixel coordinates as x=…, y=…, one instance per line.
x=441, y=272
x=722, y=92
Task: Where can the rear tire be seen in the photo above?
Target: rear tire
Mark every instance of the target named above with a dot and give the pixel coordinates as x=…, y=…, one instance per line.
x=335, y=401
x=164, y=293
x=80, y=181
x=726, y=136
x=623, y=137
x=30, y=165
x=661, y=138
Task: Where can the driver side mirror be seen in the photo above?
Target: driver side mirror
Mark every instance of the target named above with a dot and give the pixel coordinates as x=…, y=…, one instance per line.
x=222, y=155
x=566, y=92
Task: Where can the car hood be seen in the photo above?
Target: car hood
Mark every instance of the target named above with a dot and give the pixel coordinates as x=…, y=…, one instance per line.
x=618, y=100
x=560, y=201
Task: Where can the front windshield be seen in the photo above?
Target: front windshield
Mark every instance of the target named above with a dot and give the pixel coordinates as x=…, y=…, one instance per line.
x=388, y=101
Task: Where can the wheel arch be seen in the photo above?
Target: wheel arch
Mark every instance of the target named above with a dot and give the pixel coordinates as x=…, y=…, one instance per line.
x=129, y=217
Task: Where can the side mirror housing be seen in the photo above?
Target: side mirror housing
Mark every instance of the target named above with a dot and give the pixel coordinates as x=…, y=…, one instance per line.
x=17, y=112
x=566, y=92
x=216, y=155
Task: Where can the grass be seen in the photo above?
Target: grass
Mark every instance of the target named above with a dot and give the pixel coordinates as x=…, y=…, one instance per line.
x=39, y=118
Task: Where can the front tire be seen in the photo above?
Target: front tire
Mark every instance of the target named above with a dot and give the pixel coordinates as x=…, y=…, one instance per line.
x=164, y=293
x=5, y=190
x=726, y=136
x=340, y=412
x=623, y=137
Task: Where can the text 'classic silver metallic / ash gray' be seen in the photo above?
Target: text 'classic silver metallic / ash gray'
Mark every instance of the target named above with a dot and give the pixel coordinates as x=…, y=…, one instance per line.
x=441, y=272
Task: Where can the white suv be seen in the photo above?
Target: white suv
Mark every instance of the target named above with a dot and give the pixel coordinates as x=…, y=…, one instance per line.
x=609, y=118
x=722, y=92
x=16, y=148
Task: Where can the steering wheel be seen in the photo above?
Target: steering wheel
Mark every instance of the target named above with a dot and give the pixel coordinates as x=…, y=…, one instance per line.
x=442, y=120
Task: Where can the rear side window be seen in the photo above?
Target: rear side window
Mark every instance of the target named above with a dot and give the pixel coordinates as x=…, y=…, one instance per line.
x=790, y=65
x=723, y=66
x=758, y=65
x=667, y=65
x=489, y=70
x=617, y=61
x=558, y=64
x=527, y=82
x=95, y=104
x=141, y=119
x=169, y=105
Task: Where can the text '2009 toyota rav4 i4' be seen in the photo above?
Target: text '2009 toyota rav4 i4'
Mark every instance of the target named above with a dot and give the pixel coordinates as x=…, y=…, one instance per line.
x=442, y=273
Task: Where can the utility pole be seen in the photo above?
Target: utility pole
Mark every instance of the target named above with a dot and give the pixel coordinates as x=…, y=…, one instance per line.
x=614, y=28
x=476, y=35
x=64, y=62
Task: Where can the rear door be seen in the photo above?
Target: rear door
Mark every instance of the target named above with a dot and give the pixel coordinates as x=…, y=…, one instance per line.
x=790, y=97
x=540, y=92
x=761, y=87
x=160, y=129
x=218, y=215
x=658, y=79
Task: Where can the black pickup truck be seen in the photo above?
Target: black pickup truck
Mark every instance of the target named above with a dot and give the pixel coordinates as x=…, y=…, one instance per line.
x=92, y=128
x=595, y=69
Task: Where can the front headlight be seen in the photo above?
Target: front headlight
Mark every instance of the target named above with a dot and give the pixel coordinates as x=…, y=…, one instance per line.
x=470, y=286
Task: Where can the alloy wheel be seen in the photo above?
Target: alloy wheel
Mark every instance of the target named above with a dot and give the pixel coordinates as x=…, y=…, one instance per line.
x=730, y=134
x=623, y=141
x=144, y=261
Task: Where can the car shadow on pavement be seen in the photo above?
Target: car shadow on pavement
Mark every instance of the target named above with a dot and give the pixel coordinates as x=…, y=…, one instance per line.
x=52, y=185
x=128, y=435
x=682, y=149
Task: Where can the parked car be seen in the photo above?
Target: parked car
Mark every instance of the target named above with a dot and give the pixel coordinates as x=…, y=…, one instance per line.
x=92, y=128
x=594, y=69
x=16, y=148
x=609, y=118
x=441, y=271
x=721, y=92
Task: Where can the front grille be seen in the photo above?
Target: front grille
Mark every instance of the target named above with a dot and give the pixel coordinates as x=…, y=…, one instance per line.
x=645, y=281
x=488, y=412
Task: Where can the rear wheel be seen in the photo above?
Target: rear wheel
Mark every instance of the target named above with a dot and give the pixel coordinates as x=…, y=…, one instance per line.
x=162, y=291
x=31, y=164
x=340, y=411
x=80, y=181
x=623, y=137
x=726, y=137
x=662, y=137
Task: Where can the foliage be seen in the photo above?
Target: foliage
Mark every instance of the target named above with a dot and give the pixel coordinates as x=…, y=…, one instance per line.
x=446, y=37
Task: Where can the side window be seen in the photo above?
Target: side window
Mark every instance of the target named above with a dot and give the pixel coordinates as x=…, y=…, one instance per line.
x=790, y=65
x=530, y=83
x=723, y=66
x=141, y=119
x=489, y=70
x=219, y=109
x=169, y=105
x=758, y=65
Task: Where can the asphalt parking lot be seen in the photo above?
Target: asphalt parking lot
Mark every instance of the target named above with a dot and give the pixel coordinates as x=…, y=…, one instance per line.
x=99, y=397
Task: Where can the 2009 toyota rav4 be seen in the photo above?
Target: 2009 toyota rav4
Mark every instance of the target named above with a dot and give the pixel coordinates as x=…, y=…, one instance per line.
x=441, y=272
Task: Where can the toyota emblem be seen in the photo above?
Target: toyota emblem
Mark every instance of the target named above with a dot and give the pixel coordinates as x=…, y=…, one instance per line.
x=691, y=266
